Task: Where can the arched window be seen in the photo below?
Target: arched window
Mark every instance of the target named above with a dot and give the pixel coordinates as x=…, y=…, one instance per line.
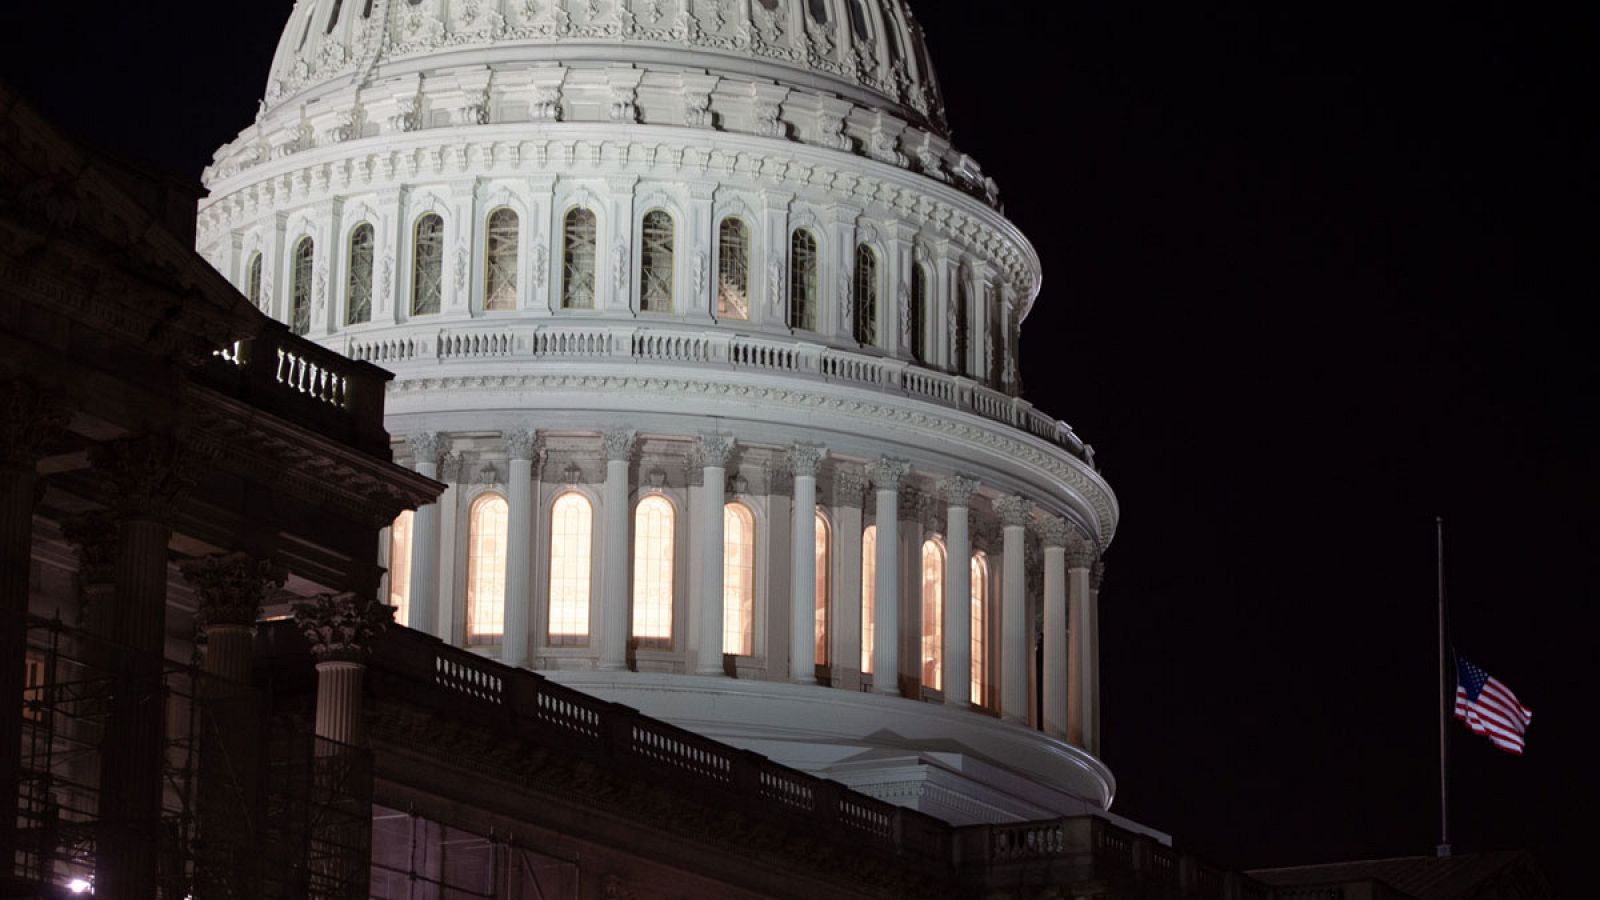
x=427, y=266
x=959, y=338
x=358, y=286
x=932, y=614
x=252, y=282
x=919, y=313
x=486, y=568
x=804, y=281
x=400, y=566
x=733, y=269
x=577, y=259
x=500, y=260
x=869, y=592
x=571, y=537
x=823, y=570
x=980, y=624
x=738, y=579
x=858, y=19
x=819, y=11
x=866, y=324
x=656, y=236
x=300, y=286
x=333, y=18
x=652, y=571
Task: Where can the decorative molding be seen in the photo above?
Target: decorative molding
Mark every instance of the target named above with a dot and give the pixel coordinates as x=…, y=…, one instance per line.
x=521, y=444
x=958, y=490
x=93, y=536
x=342, y=626
x=1012, y=510
x=30, y=417
x=850, y=485
x=1097, y=574
x=147, y=474
x=619, y=443
x=887, y=473
x=428, y=446
x=1054, y=531
x=231, y=587
x=1081, y=552
x=805, y=458
x=715, y=450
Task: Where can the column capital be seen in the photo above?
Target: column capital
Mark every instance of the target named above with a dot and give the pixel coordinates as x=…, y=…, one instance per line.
x=1013, y=510
x=29, y=417
x=1097, y=574
x=428, y=446
x=619, y=443
x=714, y=450
x=231, y=587
x=958, y=490
x=147, y=474
x=888, y=472
x=342, y=626
x=1080, y=551
x=93, y=536
x=805, y=458
x=522, y=444
x=849, y=485
x=1055, y=531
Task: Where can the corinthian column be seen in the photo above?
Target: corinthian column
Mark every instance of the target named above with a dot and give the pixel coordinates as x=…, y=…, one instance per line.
x=1080, y=561
x=614, y=581
x=1055, y=689
x=341, y=629
x=886, y=475
x=521, y=447
x=844, y=626
x=423, y=606
x=1091, y=664
x=1014, y=645
x=231, y=590
x=958, y=493
x=715, y=452
x=803, y=462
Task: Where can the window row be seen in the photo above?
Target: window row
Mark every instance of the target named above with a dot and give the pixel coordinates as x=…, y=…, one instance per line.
x=579, y=258
x=654, y=562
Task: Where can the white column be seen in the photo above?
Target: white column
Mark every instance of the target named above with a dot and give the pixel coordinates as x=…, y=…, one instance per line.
x=1091, y=666
x=1055, y=687
x=614, y=581
x=1080, y=560
x=886, y=475
x=715, y=451
x=958, y=493
x=339, y=700
x=803, y=462
x=423, y=609
x=844, y=625
x=1015, y=648
x=521, y=447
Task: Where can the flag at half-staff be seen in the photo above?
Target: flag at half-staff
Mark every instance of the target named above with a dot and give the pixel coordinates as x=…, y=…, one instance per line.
x=1489, y=708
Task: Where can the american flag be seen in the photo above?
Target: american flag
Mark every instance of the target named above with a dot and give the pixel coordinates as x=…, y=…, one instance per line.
x=1489, y=708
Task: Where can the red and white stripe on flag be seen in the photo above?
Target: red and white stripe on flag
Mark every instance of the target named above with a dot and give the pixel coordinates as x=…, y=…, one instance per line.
x=1489, y=708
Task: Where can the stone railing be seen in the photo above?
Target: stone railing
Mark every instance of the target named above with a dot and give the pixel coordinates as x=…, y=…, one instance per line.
x=403, y=348
x=303, y=382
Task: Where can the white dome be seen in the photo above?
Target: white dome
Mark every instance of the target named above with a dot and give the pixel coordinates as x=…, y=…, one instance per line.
x=867, y=51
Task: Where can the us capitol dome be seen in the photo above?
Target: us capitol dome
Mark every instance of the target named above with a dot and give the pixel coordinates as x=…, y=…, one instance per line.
x=712, y=334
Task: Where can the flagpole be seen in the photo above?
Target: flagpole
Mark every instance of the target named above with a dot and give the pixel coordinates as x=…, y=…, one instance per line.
x=1444, y=782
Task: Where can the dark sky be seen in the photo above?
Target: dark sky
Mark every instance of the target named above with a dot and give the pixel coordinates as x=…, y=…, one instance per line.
x=1312, y=276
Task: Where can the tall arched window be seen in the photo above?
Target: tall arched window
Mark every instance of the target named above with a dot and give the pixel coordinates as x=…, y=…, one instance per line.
x=653, y=542
x=571, y=537
x=733, y=269
x=738, y=579
x=869, y=592
x=933, y=614
x=400, y=566
x=866, y=282
x=486, y=568
x=656, y=239
x=959, y=338
x=577, y=260
x=819, y=11
x=500, y=260
x=427, y=266
x=823, y=571
x=919, y=313
x=358, y=286
x=980, y=624
x=858, y=19
x=252, y=282
x=300, y=286
x=804, y=281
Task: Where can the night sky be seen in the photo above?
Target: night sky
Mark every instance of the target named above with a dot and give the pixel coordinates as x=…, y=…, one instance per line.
x=1314, y=274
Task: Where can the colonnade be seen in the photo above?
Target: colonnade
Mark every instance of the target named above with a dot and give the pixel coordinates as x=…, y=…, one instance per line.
x=1065, y=691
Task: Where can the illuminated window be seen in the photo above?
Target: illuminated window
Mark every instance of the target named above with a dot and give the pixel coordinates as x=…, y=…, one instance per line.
x=300, y=287
x=252, y=282
x=577, y=260
x=869, y=592
x=655, y=262
x=486, y=569
x=738, y=579
x=980, y=622
x=400, y=566
x=822, y=590
x=866, y=324
x=33, y=682
x=571, y=537
x=919, y=313
x=652, y=571
x=427, y=266
x=932, y=614
x=500, y=260
x=358, y=287
x=733, y=270
x=804, y=282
